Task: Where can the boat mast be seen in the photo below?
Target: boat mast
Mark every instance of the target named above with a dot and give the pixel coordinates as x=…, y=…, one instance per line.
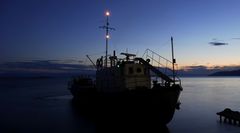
x=107, y=36
x=173, y=61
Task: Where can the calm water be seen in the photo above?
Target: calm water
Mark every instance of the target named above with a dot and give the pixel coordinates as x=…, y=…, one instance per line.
x=44, y=105
x=201, y=99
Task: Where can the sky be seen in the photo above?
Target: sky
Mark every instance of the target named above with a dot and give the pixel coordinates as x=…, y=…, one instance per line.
x=66, y=30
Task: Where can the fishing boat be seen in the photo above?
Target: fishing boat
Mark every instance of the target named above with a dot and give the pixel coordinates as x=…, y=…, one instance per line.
x=130, y=88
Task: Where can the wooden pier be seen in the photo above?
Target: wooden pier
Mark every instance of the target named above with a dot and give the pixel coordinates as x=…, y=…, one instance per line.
x=229, y=116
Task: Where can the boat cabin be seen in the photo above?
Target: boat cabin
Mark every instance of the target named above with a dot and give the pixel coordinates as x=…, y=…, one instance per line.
x=122, y=74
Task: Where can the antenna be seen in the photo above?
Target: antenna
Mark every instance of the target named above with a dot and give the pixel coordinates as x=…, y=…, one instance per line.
x=107, y=28
x=173, y=61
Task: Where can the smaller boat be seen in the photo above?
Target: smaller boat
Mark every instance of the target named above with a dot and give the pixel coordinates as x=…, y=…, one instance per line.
x=230, y=116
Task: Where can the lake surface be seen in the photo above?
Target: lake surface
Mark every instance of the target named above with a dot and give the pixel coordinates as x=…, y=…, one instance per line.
x=45, y=105
x=201, y=99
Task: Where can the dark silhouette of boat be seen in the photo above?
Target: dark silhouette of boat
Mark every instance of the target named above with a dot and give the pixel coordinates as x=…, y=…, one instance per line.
x=125, y=89
x=230, y=116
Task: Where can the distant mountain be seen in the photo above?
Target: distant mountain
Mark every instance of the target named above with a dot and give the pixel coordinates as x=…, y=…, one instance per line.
x=226, y=73
x=195, y=71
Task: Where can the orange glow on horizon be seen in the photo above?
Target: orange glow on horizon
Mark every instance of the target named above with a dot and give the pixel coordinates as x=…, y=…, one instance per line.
x=208, y=67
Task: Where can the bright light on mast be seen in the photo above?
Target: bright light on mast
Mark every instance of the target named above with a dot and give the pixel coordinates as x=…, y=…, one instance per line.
x=107, y=13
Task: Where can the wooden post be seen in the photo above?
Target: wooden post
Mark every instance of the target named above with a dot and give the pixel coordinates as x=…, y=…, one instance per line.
x=220, y=118
x=225, y=120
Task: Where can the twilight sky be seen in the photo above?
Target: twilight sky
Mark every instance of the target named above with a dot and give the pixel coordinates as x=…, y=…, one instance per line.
x=68, y=29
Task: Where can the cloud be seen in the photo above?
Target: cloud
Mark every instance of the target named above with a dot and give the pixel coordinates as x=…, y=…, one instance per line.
x=218, y=43
x=45, y=67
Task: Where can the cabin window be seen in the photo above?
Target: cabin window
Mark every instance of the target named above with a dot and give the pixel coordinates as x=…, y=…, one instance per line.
x=139, y=70
x=130, y=70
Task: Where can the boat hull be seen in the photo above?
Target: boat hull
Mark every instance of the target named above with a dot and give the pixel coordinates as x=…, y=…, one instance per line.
x=140, y=105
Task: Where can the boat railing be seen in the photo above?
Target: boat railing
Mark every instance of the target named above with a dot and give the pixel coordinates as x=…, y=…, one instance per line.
x=162, y=64
x=139, y=82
